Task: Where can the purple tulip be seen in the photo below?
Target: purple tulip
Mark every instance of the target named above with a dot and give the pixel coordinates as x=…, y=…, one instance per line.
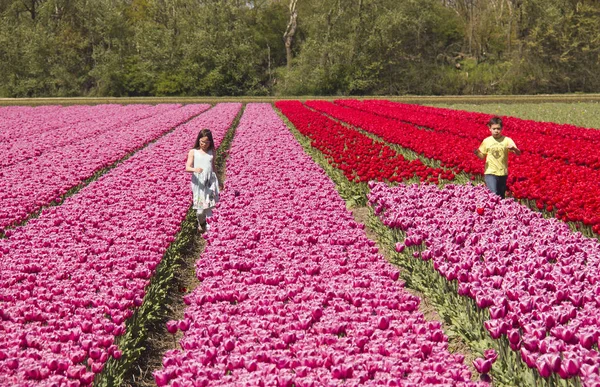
x=490, y=354
x=544, y=369
x=483, y=366
x=322, y=305
x=172, y=326
x=528, y=358
x=530, y=264
x=400, y=247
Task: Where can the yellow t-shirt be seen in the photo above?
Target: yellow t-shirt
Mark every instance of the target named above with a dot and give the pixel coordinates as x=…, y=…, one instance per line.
x=496, y=151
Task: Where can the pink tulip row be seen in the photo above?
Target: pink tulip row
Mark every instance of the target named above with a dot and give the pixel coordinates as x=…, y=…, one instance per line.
x=539, y=281
x=292, y=292
x=22, y=112
x=17, y=149
x=32, y=121
x=70, y=278
x=27, y=186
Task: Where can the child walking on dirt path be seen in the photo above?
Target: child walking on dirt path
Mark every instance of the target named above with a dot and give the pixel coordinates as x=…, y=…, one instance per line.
x=205, y=185
x=494, y=150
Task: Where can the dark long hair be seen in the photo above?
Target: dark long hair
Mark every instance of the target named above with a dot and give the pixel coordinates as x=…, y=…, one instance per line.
x=205, y=133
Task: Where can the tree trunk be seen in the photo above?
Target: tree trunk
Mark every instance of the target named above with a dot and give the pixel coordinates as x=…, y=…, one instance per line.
x=31, y=8
x=357, y=33
x=290, y=31
x=331, y=20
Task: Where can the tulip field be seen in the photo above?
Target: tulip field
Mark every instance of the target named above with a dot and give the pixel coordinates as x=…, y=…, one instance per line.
x=293, y=290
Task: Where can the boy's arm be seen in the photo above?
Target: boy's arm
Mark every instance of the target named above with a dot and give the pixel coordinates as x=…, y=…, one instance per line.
x=480, y=152
x=512, y=147
x=514, y=150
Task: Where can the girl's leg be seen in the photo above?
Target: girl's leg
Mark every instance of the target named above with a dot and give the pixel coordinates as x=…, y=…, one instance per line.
x=200, y=214
x=207, y=214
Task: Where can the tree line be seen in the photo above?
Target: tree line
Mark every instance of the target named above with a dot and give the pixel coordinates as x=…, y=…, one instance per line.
x=297, y=47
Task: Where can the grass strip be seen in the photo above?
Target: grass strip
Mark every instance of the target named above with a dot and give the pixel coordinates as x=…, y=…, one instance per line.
x=424, y=99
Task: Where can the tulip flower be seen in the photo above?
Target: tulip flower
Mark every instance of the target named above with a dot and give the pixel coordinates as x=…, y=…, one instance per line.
x=82, y=304
x=108, y=138
x=545, y=307
x=483, y=366
x=323, y=307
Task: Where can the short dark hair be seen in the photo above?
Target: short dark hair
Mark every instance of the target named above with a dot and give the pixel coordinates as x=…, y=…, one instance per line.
x=494, y=121
x=204, y=133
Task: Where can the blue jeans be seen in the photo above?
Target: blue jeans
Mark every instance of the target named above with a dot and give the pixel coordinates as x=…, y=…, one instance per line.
x=496, y=184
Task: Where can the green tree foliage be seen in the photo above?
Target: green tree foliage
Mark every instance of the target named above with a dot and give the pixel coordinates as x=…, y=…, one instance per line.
x=340, y=47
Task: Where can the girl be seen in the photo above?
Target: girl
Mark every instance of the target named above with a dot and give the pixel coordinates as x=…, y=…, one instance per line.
x=205, y=186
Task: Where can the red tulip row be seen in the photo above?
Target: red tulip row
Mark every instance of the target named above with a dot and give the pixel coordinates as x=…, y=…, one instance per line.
x=70, y=278
x=358, y=156
x=29, y=185
x=570, y=190
x=575, y=146
x=511, y=123
x=292, y=292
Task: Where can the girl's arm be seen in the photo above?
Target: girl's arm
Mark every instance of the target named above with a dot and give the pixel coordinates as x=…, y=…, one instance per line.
x=189, y=165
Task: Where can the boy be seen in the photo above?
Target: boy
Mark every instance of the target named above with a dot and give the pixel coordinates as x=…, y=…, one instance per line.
x=496, y=148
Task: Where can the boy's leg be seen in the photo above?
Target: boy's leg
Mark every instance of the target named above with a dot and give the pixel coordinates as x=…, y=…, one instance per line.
x=501, y=182
x=492, y=183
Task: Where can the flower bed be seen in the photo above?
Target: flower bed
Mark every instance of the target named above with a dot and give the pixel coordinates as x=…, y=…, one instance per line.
x=70, y=279
x=359, y=157
x=566, y=143
x=27, y=146
x=292, y=292
x=571, y=192
x=17, y=121
x=552, y=129
x=27, y=186
x=538, y=280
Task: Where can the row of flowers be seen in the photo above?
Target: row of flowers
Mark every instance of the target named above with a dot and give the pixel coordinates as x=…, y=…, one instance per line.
x=292, y=292
x=27, y=186
x=17, y=121
x=71, y=278
x=574, y=146
x=538, y=280
x=21, y=148
x=18, y=111
x=358, y=156
x=553, y=129
x=571, y=192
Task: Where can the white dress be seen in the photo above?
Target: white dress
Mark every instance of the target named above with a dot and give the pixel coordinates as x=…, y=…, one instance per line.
x=205, y=186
